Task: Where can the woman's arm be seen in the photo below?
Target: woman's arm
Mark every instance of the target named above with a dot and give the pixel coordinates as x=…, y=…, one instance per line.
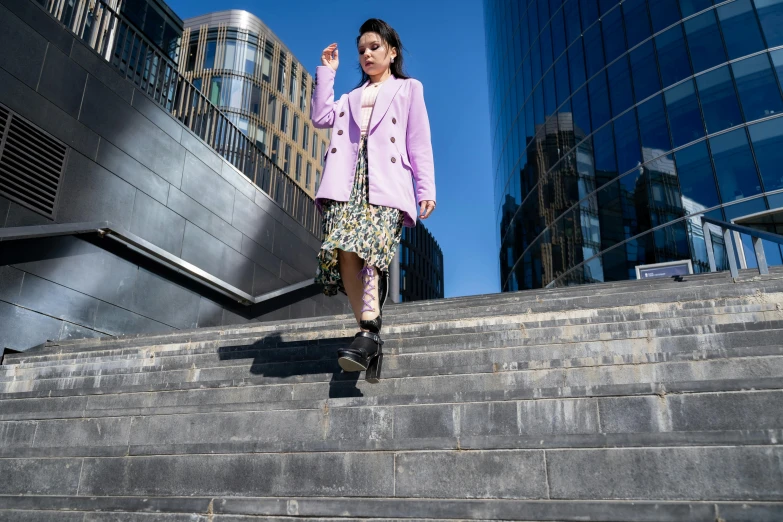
x=323, y=97
x=419, y=144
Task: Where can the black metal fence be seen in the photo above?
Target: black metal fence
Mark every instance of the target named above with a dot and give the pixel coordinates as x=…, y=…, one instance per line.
x=99, y=24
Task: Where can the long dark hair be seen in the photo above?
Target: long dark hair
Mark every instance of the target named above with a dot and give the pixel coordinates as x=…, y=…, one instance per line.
x=392, y=41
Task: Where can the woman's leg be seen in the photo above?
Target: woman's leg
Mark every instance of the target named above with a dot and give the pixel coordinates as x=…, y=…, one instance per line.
x=350, y=267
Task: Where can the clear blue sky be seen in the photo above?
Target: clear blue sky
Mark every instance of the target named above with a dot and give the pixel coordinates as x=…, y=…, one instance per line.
x=444, y=41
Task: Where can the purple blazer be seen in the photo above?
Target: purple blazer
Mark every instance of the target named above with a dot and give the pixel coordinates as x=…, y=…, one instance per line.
x=399, y=148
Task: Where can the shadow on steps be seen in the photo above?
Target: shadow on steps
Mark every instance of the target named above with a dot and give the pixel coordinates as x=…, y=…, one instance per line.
x=273, y=357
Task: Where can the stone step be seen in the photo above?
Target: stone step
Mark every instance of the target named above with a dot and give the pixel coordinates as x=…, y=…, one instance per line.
x=693, y=473
x=431, y=338
x=673, y=315
x=702, y=419
x=500, y=351
x=696, y=293
x=419, y=381
x=47, y=508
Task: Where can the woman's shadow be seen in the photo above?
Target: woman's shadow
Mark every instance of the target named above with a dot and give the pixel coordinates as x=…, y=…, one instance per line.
x=273, y=357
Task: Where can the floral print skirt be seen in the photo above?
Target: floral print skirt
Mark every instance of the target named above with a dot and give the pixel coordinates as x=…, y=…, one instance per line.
x=371, y=231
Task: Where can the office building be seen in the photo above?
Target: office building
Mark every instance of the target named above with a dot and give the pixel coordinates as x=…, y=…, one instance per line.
x=245, y=70
x=421, y=265
x=616, y=125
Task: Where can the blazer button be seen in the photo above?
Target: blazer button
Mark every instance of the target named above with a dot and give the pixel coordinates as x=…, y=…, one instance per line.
x=393, y=140
x=339, y=132
x=394, y=160
x=394, y=121
x=334, y=150
x=342, y=114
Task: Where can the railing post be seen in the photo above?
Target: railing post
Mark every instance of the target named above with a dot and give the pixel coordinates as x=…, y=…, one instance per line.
x=731, y=254
x=761, y=258
x=743, y=259
x=705, y=227
x=394, y=278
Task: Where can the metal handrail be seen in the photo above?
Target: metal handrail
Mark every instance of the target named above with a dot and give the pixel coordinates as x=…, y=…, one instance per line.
x=133, y=55
x=728, y=230
x=106, y=229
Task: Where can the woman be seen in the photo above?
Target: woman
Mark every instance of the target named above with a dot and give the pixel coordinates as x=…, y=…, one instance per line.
x=380, y=144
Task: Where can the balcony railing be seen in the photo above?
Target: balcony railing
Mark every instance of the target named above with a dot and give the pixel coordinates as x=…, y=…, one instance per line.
x=100, y=25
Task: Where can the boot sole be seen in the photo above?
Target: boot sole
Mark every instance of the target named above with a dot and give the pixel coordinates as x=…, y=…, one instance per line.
x=349, y=364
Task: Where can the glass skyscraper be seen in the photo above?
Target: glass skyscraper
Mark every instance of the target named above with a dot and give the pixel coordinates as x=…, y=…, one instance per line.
x=245, y=70
x=617, y=124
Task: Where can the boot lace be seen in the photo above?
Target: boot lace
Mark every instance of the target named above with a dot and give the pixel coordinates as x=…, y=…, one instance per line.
x=367, y=275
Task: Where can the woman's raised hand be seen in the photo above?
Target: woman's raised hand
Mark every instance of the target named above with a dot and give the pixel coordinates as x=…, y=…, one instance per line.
x=330, y=57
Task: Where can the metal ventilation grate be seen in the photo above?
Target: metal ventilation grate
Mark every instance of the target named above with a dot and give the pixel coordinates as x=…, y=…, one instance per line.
x=31, y=164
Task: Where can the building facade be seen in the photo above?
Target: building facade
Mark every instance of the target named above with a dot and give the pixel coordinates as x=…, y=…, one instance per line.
x=617, y=124
x=421, y=265
x=244, y=69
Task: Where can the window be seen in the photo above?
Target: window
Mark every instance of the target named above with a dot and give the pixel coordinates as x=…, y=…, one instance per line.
x=308, y=175
x=573, y=24
x=594, y=51
x=317, y=179
x=704, y=42
x=672, y=56
x=614, y=35
x=284, y=118
x=628, y=150
x=697, y=181
x=303, y=94
x=771, y=17
x=271, y=109
x=684, y=116
x=637, y=21
x=718, y=100
x=315, y=145
x=230, y=56
x=589, y=10
x=261, y=138
x=235, y=101
x=287, y=159
x=576, y=60
x=734, y=166
x=298, y=167
x=689, y=7
x=292, y=83
x=266, y=64
x=295, y=129
x=740, y=28
x=250, y=59
x=305, y=137
x=561, y=81
x=644, y=71
x=209, y=55
x=255, y=99
x=281, y=73
x=192, y=50
x=323, y=152
x=663, y=13
x=652, y=125
x=214, y=90
x=621, y=94
x=599, y=100
x=758, y=89
x=558, y=34
x=275, y=148
x=767, y=139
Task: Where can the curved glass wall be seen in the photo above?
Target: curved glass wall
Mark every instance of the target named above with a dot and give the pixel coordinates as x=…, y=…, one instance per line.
x=251, y=76
x=616, y=124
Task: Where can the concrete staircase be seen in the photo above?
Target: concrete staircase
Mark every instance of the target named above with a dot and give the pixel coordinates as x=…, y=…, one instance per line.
x=633, y=401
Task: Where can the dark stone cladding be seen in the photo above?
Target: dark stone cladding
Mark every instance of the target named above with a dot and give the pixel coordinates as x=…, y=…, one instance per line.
x=131, y=163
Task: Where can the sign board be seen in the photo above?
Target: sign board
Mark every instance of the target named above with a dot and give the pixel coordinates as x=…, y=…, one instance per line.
x=670, y=269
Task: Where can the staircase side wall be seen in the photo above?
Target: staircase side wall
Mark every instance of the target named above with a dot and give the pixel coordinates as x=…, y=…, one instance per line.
x=131, y=163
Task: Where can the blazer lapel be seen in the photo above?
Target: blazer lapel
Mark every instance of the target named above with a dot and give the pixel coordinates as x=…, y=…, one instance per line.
x=355, y=103
x=389, y=89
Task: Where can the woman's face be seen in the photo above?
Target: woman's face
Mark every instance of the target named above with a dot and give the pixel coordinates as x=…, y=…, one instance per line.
x=374, y=55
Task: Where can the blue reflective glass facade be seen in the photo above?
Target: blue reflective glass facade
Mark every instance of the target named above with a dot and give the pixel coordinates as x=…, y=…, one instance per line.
x=617, y=124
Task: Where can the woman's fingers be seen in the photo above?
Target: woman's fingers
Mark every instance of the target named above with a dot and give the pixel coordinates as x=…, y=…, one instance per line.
x=426, y=208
